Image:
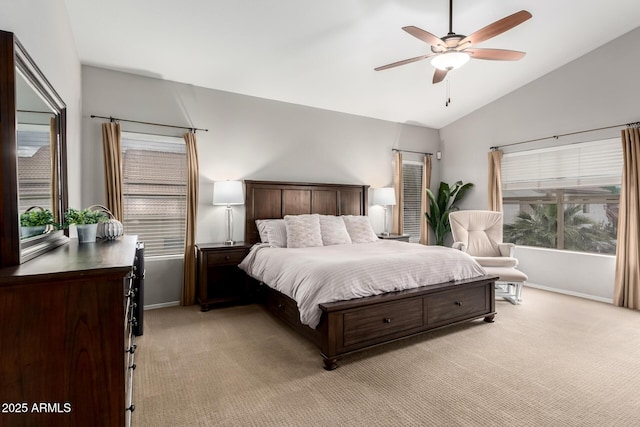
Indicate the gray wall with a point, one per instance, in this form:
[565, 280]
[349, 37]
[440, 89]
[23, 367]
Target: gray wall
[43, 28]
[248, 138]
[599, 89]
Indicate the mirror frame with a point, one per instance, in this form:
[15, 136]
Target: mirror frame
[13, 59]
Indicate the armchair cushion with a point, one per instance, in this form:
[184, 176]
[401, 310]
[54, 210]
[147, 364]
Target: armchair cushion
[501, 261]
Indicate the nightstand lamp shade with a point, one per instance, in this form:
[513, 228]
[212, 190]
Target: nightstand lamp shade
[385, 197]
[228, 193]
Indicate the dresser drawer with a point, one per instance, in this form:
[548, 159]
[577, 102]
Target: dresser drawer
[386, 319]
[228, 257]
[283, 308]
[453, 305]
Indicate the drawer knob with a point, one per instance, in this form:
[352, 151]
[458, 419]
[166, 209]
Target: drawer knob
[459, 303]
[132, 349]
[227, 258]
[386, 320]
[131, 408]
[132, 367]
[281, 307]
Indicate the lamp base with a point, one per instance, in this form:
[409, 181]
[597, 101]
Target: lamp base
[229, 242]
[385, 233]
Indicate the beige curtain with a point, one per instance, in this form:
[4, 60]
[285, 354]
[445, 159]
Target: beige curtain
[626, 291]
[398, 211]
[424, 202]
[112, 149]
[53, 151]
[495, 180]
[189, 287]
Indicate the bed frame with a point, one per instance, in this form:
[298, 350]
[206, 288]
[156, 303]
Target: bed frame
[353, 325]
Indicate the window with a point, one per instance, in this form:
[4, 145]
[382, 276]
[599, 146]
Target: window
[412, 181]
[34, 166]
[563, 197]
[154, 173]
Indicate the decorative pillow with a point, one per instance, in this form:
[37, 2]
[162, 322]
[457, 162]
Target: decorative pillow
[333, 231]
[303, 231]
[359, 229]
[272, 231]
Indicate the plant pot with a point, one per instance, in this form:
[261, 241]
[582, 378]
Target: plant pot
[87, 233]
[32, 231]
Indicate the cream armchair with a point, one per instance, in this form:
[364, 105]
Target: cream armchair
[479, 233]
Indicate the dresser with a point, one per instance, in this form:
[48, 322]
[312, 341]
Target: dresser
[219, 278]
[67, 346]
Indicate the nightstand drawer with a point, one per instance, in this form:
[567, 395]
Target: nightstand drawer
[228, 257]
[386, 319]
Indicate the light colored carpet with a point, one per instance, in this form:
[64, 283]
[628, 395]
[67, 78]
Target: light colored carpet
[555, 360]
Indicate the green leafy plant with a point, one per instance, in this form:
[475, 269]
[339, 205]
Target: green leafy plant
[36, 217]
[85, 216]
[442, 205]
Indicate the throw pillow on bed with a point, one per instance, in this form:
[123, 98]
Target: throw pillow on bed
[272, 231]
[333, 231]
[303, 231]
[359, 229]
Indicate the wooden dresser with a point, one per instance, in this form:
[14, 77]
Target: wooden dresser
[66, 347]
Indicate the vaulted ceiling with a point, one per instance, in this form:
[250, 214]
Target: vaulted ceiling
[323, 53]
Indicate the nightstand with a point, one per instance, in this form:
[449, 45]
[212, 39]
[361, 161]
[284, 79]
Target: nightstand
[400, 237]
[218, 276]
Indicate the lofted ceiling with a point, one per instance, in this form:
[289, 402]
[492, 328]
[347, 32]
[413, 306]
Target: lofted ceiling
[323, 53]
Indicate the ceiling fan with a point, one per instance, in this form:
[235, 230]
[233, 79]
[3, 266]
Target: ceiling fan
[454, 50]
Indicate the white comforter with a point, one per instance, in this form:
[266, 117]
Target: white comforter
[335, 273]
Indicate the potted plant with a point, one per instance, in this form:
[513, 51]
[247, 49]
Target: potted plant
[86, 222]
[442, 205]
[35, 221]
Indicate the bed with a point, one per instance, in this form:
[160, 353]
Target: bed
[346, 326]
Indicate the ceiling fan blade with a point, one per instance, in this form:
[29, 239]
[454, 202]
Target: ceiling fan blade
[406, 61]
[496, 28]
[439, 75]
[425, 36]
[495, 54]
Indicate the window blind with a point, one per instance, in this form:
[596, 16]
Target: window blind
[154, 173]
[412, 180]
[34, 166]
[587, 164]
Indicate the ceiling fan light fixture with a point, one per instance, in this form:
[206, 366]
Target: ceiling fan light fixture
[451, 60]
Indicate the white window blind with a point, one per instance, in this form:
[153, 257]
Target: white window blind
[570, 166]
[412, 180]
[154, 191]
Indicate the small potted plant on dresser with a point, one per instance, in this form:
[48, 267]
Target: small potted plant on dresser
[35, 221]
[86, 222]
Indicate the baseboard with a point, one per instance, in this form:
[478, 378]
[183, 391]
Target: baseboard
[162, 305]
[573, 294]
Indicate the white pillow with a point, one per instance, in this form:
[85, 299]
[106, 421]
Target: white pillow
[333, 230]
[303, 231]
[359, 229]
[272, 231]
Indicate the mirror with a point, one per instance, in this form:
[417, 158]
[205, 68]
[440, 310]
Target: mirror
[33, 154]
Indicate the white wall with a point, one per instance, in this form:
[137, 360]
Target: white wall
[248, 138]
[599, 89]
[43, 28]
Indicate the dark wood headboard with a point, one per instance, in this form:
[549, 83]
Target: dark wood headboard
[275, 199]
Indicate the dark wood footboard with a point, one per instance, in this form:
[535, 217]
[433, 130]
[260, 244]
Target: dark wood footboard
[354, 325]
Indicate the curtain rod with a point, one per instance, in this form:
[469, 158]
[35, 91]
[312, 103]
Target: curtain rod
[115, 119]
[51, 113]
[565, 134]
[414, 152]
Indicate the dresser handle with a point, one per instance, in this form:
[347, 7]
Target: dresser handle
[281, 307]
[131, 408]
[386, 320]
[226, 258]
[459, 303]
[131, 349]
[133, 366]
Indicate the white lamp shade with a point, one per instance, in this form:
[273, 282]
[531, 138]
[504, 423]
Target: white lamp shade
[384, 196]
[450, 60]
[228, 193]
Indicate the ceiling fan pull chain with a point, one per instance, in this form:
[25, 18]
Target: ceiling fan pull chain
[448, 94]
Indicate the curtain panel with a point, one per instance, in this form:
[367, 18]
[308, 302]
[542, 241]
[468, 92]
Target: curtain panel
[626, 291]
[398, 186]
[424, 199]
[495, 180]
[189, 287]
[112, 149]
